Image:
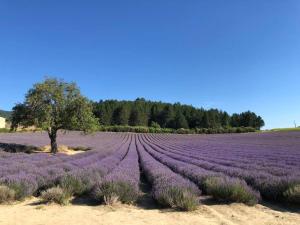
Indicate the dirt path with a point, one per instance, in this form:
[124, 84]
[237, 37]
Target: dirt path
[30, 213]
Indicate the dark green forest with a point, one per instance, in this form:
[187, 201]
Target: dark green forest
[146, 113]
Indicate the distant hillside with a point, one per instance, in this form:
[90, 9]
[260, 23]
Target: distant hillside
[5, 114]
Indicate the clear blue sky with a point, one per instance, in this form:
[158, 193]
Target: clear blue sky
[230, 54]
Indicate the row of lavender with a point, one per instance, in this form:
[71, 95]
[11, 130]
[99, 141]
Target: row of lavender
[178, 167]
[12, 164]
[276, 175]
[29, 174]
[115, 176]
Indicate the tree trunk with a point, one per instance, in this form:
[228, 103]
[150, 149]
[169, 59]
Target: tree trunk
[52, 136]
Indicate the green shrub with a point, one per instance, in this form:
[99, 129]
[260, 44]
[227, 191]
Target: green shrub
[110, 191]
[22, 187]
[155, 125]
[231, 189]
[222, 130]
[178, 198]
[79, 182]
[72, 185]
[292, 195]
[56, 195]
[183, 131]
[6, 194]
[154, 128]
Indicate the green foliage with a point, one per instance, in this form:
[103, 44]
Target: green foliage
[143, 113]
[53, 105]
[19, 190]
[72, 185]
[111, 191]
[21, 115]
[59, 105]
[224, 130]
[166, 117]
[6, 194]
[225, 119]
[22, 189]
[124, 129]
[292, 195]
[232, 190]
[139, 129]
[183, 131]
[247, 119]
[179, 121]
[80, 182]
[178, 198]
[56, 195]
[121, 116]
[154, 125]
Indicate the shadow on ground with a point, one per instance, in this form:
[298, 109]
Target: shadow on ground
[84, 201]
[15, 148]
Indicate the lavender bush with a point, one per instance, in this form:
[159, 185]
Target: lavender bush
[231, 189]
[56, 195]
[79, 182]
[168, 188]
[123, 182]
[292, 194]
[6, 194]
[173, 164]
[272, 177]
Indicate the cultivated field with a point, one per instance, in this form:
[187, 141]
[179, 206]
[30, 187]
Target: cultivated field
[152, 173]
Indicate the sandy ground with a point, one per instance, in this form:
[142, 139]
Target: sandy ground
[61, 149]
[31, 212]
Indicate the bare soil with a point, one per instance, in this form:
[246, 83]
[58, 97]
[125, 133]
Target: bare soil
[61, 149]
[32, 212]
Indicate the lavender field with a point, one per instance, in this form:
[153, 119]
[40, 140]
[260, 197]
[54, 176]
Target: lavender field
[178, 169]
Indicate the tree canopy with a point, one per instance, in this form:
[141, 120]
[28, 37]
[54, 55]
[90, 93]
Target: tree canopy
[146, 113]
[53, 105]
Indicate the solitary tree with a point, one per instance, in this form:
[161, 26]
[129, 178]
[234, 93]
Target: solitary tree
[54, 105]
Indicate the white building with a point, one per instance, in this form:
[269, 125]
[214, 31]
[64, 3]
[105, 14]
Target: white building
[2, 122]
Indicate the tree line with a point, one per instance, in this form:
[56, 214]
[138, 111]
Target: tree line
[146, 113]
[54, 104]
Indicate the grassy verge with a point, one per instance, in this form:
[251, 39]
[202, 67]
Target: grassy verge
[285, 129]
[4, 130]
